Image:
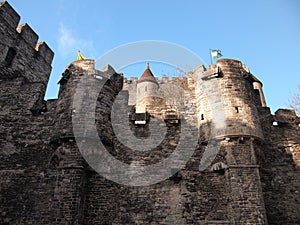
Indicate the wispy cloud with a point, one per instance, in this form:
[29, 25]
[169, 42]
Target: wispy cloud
[69, 44]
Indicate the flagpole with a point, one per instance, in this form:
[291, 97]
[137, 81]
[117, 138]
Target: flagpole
[211, 61]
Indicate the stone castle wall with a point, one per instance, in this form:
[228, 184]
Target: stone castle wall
[25, 65]
[253, 179]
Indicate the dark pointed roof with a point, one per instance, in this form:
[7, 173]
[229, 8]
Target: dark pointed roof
[148, 75]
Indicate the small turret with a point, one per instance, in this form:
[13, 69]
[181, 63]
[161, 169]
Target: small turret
[147, 91]
[257, 85]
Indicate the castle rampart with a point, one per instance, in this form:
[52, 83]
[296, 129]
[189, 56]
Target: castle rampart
[253, 178]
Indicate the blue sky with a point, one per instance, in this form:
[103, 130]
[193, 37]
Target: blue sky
[263, 34]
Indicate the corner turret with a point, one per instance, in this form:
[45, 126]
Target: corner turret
[147, 91]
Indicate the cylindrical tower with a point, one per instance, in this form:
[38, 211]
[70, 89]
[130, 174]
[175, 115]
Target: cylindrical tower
[226, 101]
[228, 116]
[147, 89]
[71, 176]
[79, 98]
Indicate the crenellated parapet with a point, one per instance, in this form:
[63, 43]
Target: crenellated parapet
[25, 64]
[20, 52]
[28, 34]
[286, 116]
[244, 161]
[8, 14]
[162, 80]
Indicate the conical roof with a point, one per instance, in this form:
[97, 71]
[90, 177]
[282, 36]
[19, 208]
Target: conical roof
[148, 75]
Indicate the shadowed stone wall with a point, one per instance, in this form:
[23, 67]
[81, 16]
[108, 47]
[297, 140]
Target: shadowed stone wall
[253, 179]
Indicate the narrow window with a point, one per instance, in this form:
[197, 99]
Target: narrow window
[10, 56]
[202, 116]
[237, 109]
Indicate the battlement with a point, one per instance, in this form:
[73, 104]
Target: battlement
[87, 66]
[23, 62]
[210, 129]
[164, 79]
[8, 14]
[286, 116]
[233, 63]
[28, 34]
[45, 51]
[16, 36]
[215, 70]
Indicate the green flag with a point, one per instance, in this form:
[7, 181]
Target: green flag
[216, 54]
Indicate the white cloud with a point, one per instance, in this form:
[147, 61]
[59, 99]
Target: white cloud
[69, 44]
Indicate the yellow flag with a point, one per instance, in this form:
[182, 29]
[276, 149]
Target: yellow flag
[80, 56]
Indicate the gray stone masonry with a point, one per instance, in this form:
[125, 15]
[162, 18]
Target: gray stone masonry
[253, 178]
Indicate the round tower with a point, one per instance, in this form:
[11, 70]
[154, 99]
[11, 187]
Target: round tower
[79, 100]
[231, 136]
[66, 156]
[226, 102]
[147, 91]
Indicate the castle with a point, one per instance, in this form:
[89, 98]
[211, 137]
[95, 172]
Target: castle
[253, 178]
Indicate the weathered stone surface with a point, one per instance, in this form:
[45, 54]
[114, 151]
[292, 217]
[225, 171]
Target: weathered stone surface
[253, 179]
